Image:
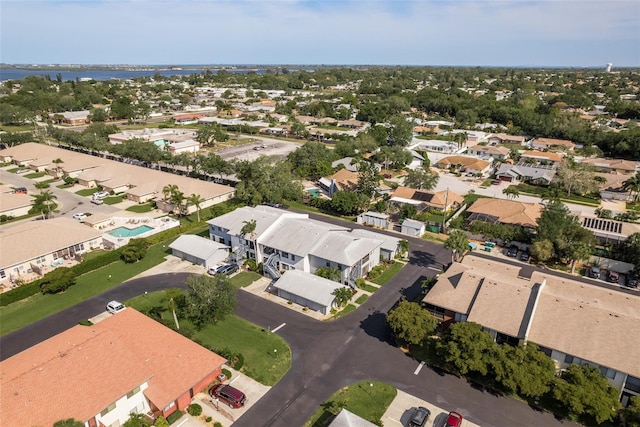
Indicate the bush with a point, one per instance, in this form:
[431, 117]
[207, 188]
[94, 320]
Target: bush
[172, 418]
[19, 293]
[208, 419]
[376, 272]
[85, 322]
[217, 424]
[227, 373]
[57, 280]
[194, 409]
[235, 360]
[251, 265]
[96, 263]
[134, 251]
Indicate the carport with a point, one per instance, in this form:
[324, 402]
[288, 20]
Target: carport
[199, 250]
[307, 290]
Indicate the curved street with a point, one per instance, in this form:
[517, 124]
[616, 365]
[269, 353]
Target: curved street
[325, 355]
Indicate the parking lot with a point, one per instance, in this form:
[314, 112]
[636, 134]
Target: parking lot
[258, 146]
[401, 409]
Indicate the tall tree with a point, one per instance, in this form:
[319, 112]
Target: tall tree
[209, 299]
[44, 202]
[511, 192]
[421, 179]
[248, 227]
[343, 295]
[467, 348]
[368, 179]
[633, 185]
[457, 243]
[410, 323]
[400, 131]
[196, 200]
[576, 177]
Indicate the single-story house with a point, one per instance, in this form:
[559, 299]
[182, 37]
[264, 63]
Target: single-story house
[611, 188]
[489, 151]
[435, 145]
[465, 164]
[343, 180]
[620, 166]
[307, 290]
[199, 250]
[526, 172]
[187, 119]
[503, 138]
[188, 146]
[73, 117]
[506, 212]
[551, 143]
[608, 230]
[33, 248]
[443, 200]
[14, 204]
[570, 321]
[100, 374]
[541, 156]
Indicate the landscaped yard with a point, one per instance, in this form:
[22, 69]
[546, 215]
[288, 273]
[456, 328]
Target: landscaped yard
[391, 271]
[86, 191]
[112, 200]
[368, 400]
[362, 299]
[35, 175]
[255, 344]
[245, 278]
[348, 309]
[144, 208]
[22, 313]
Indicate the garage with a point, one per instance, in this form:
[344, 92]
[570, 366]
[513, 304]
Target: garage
[307, 290]
[199, 250]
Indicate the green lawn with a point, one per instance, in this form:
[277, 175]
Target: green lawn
[348, 309]
[388, 273]
[368, 400]
[35, 175]
[243, 279]
[86, 191]
[13, 170]
[16, 128]
[22, 313]
[362, 299]
[238, 335]
[144, 208]
[112, 200]
[369, 288]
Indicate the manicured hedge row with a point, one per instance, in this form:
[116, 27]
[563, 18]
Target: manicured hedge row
[19, 293]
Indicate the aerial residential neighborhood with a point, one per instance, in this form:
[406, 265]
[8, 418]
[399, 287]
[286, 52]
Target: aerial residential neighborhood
[320, 246]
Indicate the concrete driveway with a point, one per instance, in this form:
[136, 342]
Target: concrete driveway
[400, 411]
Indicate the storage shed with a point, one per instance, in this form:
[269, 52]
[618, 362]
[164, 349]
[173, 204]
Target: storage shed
[199, 250]
[307, 290]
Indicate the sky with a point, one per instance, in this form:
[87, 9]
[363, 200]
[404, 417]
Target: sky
[574, 33]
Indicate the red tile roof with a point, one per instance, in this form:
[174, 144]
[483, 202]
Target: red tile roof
[81, 371]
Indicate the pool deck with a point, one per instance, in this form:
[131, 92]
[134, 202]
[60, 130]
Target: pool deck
[157, 225]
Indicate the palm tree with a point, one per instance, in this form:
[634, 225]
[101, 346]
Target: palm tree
[168, 190]
[172, 307]
[249, 227]
[196, 200]
[511, 192]
[177, 197]
[633, 184]
[45, 202]
[458, 243]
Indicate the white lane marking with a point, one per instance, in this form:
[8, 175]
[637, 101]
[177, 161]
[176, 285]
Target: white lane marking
[434, 268]
[395, 421]
[281, 326]
[187, 419]
[418, 369]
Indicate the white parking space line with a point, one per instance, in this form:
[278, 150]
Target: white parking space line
[183, 422]
[395, 421]
[278, 328]
[418, 369]
[434, 268]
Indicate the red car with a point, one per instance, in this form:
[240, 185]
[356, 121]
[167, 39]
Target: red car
[453, 420]
[229, 395]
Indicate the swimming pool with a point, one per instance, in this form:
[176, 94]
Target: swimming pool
[130, 232]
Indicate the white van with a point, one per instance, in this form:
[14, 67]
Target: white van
[114, 307]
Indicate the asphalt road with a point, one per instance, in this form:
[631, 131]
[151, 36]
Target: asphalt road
[325, 355]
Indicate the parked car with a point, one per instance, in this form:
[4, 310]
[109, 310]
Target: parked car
[524, 256]
[20, 190]
[613, 277]
[419, 417]
[496, 182]
[229, 395]
[631, 282]
[100, 195]
[97, 201]
[513, 251]
[594, 272]
[228, 269]
[215, 269]
[453, 420]
[114, 307]
[80, 216]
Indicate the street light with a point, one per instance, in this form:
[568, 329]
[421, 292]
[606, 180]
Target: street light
[275, 353]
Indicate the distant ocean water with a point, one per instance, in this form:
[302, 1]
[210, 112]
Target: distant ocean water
[104, 74]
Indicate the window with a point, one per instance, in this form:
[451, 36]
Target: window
[609, 373]
[2, 274]
[40, 260]
[108, 409]
[328, 264]
[133, 392]
[169, 406]
[285, 255]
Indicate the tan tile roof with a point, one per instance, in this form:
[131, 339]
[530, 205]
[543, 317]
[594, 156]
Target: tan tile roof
[613, 164]
[81, 371]
[508, 211]
[345, 179]
[593, 323]
[506, 137]
[10, 201]
[576, 318]
[26, 240]
[404, 192]
[551, 141]
[114, 174]
[554, 157]
[467, 162]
